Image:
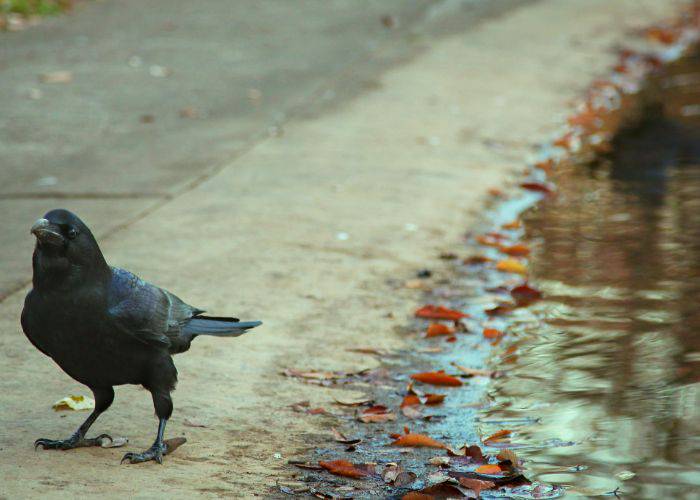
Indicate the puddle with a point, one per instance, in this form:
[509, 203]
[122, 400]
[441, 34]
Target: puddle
[614, 364]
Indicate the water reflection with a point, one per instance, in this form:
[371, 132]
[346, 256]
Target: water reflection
[615, 365]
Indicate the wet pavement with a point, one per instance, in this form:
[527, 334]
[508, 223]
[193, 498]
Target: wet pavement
[614, 366]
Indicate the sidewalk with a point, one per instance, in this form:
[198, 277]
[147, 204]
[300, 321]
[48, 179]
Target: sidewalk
[300, 226]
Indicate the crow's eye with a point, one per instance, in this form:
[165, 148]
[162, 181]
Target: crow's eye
[72, 233]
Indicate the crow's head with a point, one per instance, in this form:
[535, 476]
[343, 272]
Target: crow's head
[65, 248]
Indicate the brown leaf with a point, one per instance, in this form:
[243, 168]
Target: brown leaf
[538, 186]
[437, 378]
[439, 312]
[358, 402]
[376, 414]
[525, 295]
[476, 485]
[476, 260]
[437, 329]
[412, 412]
[343, 468]
[417, 441]
[502, 308]
[473, 371]
[342, 438]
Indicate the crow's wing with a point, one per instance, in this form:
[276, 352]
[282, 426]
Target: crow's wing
[149, 314]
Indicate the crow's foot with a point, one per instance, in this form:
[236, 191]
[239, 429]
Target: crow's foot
[155, 452]
[75, 441]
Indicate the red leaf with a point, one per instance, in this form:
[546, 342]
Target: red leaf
[439, 312]
[436, 378]
[436, 329]
[537, 186]
[525, 295]
[519, 250]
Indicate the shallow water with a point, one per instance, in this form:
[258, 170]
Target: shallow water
[614, 367]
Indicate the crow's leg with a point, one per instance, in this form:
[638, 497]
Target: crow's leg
[103, 399]
[164, 408]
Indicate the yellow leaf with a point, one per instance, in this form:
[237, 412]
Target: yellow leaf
[76, 403]
[511, 266]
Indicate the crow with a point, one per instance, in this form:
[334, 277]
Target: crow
[105, 326]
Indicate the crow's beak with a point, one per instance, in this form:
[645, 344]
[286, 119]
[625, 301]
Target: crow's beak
[45, 233]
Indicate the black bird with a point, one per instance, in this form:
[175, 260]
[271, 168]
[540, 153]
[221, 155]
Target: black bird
[105, 326]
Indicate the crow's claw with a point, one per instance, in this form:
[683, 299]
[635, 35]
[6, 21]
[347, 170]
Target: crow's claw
[75, 441]
[155, 452]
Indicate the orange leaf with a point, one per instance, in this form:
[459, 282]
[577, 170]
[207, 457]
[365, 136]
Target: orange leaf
[343, 468]
[663, 35]
[492, 333]
[489, 469]
[376, 414]
[417, 441]
[512, 225]
[537, 186]
[436, 329]
[439, 312]
[436, 378]
[518, 250]
[511, 266]
[476, 259]
[525, 295]
[498, 436]
[476, 485]
[565, 140]
[488, 241]
[416, 495]
[546, 165]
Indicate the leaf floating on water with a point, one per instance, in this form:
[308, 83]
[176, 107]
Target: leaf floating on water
[497, 437]
[439, 312]
[525, 295]
[476, 485]
[490, 469]
[426, 399]
[516, 224]
[344, 468]
[436, 378]
[76, 403]
[476, 260]
[474, 372]
[437, 329]
[518, 250]
[502, 308]
[511, 266]
[492, 333]
[342, 438]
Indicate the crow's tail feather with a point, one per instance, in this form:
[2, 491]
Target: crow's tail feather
[218, 327]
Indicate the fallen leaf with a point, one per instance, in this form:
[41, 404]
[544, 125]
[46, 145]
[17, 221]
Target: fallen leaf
[497, 437]
[357, 402]
[76, 403]
[546, 165]
[290, 372]
[537, 186]
[490, 469]
[439, 312]
[496, 193]
[417, 441]
[488, 241]
[440, 461]
[473, 371]
[56, 77]
[412, 412]
[305, 465]
[565, 141]
[192, 423]
[437, 329]
[343, 468]
[395, 475]
[525, 295]
[508, 455]
[516, 224]
[436, 378]
[342, 438]
[376, 414]
[511, 266]
[476, 259]
[414, 284]
[369, 350]
[502, 308]
[665, 36]
[476, 485]
[519, 250]
[117, 442]
[492, 333]
[426, 399]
